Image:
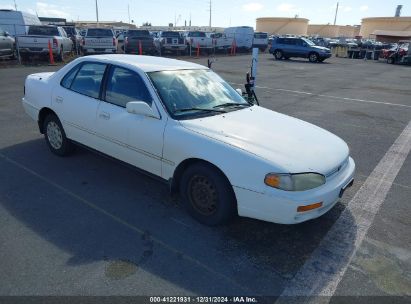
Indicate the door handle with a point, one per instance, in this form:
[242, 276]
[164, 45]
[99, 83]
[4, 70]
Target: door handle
[59, 99]
[104, 115]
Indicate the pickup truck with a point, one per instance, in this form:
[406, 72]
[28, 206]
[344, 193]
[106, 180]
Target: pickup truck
[132, 41]
[99, 41]
[197, 39]
[36, 42]
[221, 41]
[169, 41]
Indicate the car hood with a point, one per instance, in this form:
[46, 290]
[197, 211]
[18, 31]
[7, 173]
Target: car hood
[290, 144]
[321, 48]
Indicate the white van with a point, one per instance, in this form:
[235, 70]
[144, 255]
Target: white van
[243, 36]
[260, 41]
[16, 22]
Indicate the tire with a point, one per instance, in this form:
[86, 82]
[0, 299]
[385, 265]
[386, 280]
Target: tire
[207, 195]
[313, 57]
[390, 60]
[278, 54]
[55, 136]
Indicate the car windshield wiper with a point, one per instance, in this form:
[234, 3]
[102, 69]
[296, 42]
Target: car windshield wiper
[232, 104]
[198, 109]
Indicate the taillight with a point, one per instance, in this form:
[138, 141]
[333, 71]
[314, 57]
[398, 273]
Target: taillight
[83, 41]
[114, 41]
[126, 40]
[55, 44]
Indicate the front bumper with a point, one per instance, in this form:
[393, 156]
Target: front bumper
[280, 207]
[325, 55]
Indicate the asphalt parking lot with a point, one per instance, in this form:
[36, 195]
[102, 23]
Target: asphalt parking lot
[86, 225]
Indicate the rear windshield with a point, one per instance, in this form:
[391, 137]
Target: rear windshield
[170, 34]
[138, 34]
[197, 34]
[43, 31]
[99, 33]
[260, 35]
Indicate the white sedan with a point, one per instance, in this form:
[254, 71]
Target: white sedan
[181, 122]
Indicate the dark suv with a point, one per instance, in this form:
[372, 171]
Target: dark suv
[287, 47]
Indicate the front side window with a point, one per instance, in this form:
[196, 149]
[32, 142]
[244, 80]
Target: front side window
[124, 86]
[189, 93]
[88, 79]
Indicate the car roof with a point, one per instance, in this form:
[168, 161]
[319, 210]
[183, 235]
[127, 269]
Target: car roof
[148, 63]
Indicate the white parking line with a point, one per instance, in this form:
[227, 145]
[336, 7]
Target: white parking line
[323, 271]
[334, 98]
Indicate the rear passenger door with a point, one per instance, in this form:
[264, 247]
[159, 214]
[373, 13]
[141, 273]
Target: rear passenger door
[76, 100]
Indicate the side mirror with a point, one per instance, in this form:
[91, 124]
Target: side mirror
[141, 108]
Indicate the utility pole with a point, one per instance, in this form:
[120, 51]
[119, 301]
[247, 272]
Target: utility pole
[128, 10]
[15, 5]
[97, 11]
[209, 24]
[336, 13]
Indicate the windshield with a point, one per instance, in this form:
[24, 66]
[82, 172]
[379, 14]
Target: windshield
[309, 42]
[199, 90]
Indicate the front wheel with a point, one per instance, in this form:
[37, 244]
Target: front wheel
[55, 136]
[278, 54]
[313, 57]
[60, 56]
[207, 195]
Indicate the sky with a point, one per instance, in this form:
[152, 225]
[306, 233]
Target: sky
[224, 13]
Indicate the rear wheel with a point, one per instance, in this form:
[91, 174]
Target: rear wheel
[55, 136]
[313, 57]
[278, 54]
[207, 195]
[390, 60]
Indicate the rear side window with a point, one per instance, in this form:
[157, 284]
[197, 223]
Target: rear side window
[88, 79]
[124, 86]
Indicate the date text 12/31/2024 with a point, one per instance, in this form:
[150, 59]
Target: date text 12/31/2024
[198, 299]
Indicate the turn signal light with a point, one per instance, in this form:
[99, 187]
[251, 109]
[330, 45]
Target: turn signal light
[309, 207]
[272, 180]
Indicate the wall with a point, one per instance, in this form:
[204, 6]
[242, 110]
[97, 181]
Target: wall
[369, 25]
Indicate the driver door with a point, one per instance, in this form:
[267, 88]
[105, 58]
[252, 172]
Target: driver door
[132, 138]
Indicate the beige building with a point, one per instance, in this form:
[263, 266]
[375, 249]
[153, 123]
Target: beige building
[329, 30]
[370, 25]
[282, 26]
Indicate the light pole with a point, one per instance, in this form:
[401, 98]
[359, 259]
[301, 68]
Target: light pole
[97, 11]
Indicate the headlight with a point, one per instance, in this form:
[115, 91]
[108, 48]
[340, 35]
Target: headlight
[294, 182]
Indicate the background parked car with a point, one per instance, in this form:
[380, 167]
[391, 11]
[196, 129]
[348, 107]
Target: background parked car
[169, 41]
[287, 47]
[75, 36]
[260, 41]
[220, 41]
[37, 40]
[243, 36]
[199, 39]
[133, 39]
[99, 41]
[7, 45]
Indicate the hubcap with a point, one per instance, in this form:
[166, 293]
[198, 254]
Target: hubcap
[54, 135]
[278, 54]
[203, 195]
